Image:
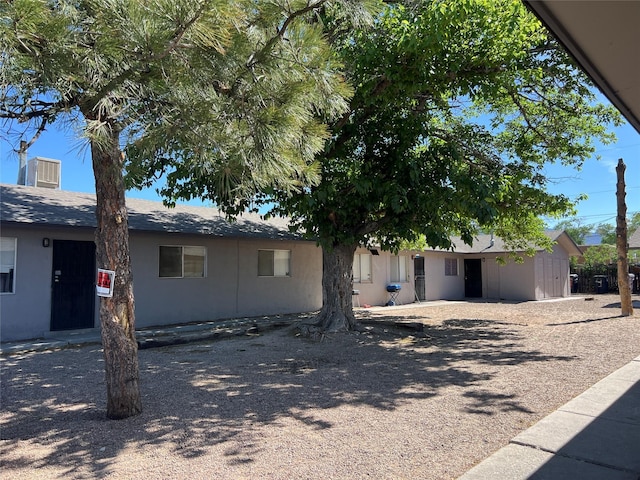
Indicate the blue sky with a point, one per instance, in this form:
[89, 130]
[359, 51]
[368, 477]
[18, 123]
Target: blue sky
[597, 178]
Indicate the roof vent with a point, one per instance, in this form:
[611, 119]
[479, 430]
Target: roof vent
[43, 172]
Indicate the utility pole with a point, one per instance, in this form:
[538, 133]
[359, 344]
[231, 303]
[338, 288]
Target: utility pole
[621, 243]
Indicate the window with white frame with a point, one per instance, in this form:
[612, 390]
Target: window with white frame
[178, 261]
[451, 267]
[399, 268]
[274, 263]
[7, 264]
[362, 268]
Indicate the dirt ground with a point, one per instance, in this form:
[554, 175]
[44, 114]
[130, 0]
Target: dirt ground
[384, 403]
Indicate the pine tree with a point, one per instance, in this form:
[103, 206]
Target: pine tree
[233, 92]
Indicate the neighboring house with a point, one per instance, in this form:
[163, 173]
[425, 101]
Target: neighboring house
[189, 264]
[634, 259]
[634, 247]
[465, 272]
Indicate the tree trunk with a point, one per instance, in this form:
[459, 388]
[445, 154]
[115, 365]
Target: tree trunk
[112, 253]
[337, 287]
[621, 243]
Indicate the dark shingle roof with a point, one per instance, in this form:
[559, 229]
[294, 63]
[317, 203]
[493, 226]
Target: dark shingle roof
[483, 243]
[42, 206]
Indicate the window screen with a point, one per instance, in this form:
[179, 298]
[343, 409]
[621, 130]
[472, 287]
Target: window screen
[399, 271]
[451, 267]
[361, 268]
[274, 263]
[179, 261]
[7, 264]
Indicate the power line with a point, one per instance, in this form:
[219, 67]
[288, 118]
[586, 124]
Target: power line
[617, 147]
[609, 216]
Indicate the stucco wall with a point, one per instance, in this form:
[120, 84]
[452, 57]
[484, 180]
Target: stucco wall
[231, 288]
[439, 286]
[27, 312]
[375, 292]
[517, 280]
[546, 275]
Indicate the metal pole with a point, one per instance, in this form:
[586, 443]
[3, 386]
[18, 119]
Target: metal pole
[22, 166]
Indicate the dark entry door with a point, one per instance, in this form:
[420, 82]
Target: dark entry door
[473, 278]
[419, 275]
[73, 285]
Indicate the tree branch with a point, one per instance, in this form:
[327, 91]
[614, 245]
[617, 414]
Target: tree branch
[36, 135]
[152, 58]
[523, 112]
[256, 57]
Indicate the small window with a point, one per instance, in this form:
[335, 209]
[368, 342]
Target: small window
[274, 263]
[451, 267]
[399, 268]
[182, 262]
[362, 268]
[7, 264]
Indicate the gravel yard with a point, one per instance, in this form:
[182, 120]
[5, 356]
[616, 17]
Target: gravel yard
[383, 403]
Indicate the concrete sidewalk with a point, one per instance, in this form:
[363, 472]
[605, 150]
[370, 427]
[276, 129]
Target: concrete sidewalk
[594, 436]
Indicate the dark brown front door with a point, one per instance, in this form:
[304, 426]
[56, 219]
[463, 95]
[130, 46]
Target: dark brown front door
[73, 285]
[473, 278]
[419, 276]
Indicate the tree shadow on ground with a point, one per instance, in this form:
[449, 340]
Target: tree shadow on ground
[635, 303]
[221, 392]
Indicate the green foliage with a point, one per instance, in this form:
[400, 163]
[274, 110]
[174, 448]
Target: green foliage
[600, 255]
[419, 244]
[221, 97]
[575, 229]
[457, 107]
[607, 233]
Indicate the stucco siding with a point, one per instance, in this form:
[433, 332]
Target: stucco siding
[492, 279]
[300, 292]
[374, 292]
[517, 280]
[27, 312]
[438, 285]
[231, 287]
[162, 301]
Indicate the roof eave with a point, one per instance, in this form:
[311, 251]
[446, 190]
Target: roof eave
[584, 59]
